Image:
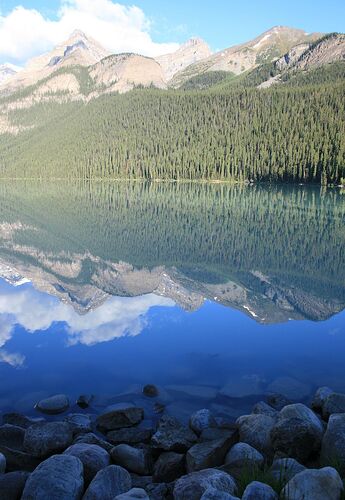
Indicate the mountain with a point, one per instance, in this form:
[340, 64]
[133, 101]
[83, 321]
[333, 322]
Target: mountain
[193, 51]
[270, 45]
[7, 71]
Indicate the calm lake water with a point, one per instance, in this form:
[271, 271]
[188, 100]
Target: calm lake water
[217, 294]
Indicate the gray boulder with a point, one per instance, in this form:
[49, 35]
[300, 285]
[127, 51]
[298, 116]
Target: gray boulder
[12, 436]
[2, 463]
[202, 419]
[138, 460]
[131, 435]
[47, 438]
[333, 442]
[314, 484]
[256, 431]
[91, 438]
[207, 454]
[284, 469]
[79, 423]
[60, 477]
[214, 494]
[53, 405]
[159, 491]
[243, 455]
[194, 485]
[262, 408]
[172, 436]
[297, 432]
[12, 485]
[127, 416]
[108, 483]
[20, 420]
[259, 491]
[320, 397]
[133, 494]
[334, 403]
[168, 467]
[93, 457]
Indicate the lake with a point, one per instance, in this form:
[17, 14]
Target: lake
[218, 294]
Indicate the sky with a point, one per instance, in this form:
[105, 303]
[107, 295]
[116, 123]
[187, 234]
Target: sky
[152, 27]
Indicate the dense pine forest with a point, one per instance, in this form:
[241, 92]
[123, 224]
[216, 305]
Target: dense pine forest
[216, 129]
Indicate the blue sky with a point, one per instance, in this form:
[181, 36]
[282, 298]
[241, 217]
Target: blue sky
[221, 23]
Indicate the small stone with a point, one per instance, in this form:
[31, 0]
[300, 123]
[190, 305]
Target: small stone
[202, 419]
[334, 403]
[53, 405]
[93, 457]
[284, 469]
[262, 408]
[172, 436]
[118, 418]
[333, 442]
[214, 494]
[91, 438]
[133, 494]
[108, 483]
[84, 401]
[256, 431]
[132, 435]
[136, 460]
[314, 484]
[207, 454]
[297, 432]
[12, 485]
[243, 455]
[151, 391]
[12, 436]
[20, 420]
[194, 485]
[320, 397]
[257, 490]
[169, 467]
[60, 477]
[79, 423]
[47, 438]
[2, 463]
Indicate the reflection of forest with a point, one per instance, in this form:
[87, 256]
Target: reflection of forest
[264, 238]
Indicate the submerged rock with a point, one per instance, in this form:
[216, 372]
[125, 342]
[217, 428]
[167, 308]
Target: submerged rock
[169, 466]
[93, 457]
[291, 388]
[277, 401]
[12, 485]
[53, 405]
[79, 423]
[202, 419]
[314, 484]
[128, 416]
[297, 433]
[259, 491]
[256, 431]
[151, 391]
[108, 483]
[47, 438]
[194, 485]
[173, 436]
[333, 442]
[84, 400]
[60, 477]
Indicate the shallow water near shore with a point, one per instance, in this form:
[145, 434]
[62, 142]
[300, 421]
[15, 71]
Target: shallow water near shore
[217, 294]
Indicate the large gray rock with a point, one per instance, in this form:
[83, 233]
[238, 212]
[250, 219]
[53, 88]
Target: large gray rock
[262, 408]
[291, 388]
[131, 435]
[202, 419]
[79, 423]
[256, 431]
[20, 420]
[207, 454]
[314, 484]
[243, 455]
[284, 469]
[214, 494]
[297, 432]
[60, 477]
[172, 436]
[2, 463]
[194, 485]
[12, 485]
[126, 416]
[93, 457]
[133, 494]
[53, 405]
[333, 442]
[12, 436]
[108, 483]
[320, 397]
[259, 491]
[138, 460]
[91, 438]
[47, 438]
[334, 403]
[168, 467]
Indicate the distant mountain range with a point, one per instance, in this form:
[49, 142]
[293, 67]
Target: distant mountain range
[52, 73]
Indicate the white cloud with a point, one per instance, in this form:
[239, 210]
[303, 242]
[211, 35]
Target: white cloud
[25, 33]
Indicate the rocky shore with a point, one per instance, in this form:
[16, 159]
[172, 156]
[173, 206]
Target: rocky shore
[281, 450]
